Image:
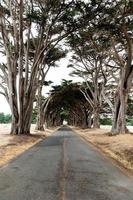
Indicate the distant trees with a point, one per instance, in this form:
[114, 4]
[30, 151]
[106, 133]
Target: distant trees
[5, 118]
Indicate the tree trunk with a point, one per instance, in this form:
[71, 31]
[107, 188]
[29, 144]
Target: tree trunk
[89, 119]
[26, 122]
[126, 77]
[40, 121]
[96, 118]
[14, 127]
[121, 97]
[13, 103]
[21, 121]
[40, 112]
[27, 112]
[85, 119]
[119, 115]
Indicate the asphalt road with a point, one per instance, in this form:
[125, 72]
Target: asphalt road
[64, 167]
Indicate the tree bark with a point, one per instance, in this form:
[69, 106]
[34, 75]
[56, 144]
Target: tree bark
[40, 121]
[96, 118]
[13, 103]
[14, 126]
[119, 115]
[120, 108]
[126, 77]
[89, 119]
[40, 112]
[85, 119]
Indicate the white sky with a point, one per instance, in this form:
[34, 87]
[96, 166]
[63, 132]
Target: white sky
[55, 75]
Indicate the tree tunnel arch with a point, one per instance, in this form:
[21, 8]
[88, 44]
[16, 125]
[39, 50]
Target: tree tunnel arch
[67, 103]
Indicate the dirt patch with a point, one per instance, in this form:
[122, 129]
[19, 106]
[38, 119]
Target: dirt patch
[12, 146]
[118, 147]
